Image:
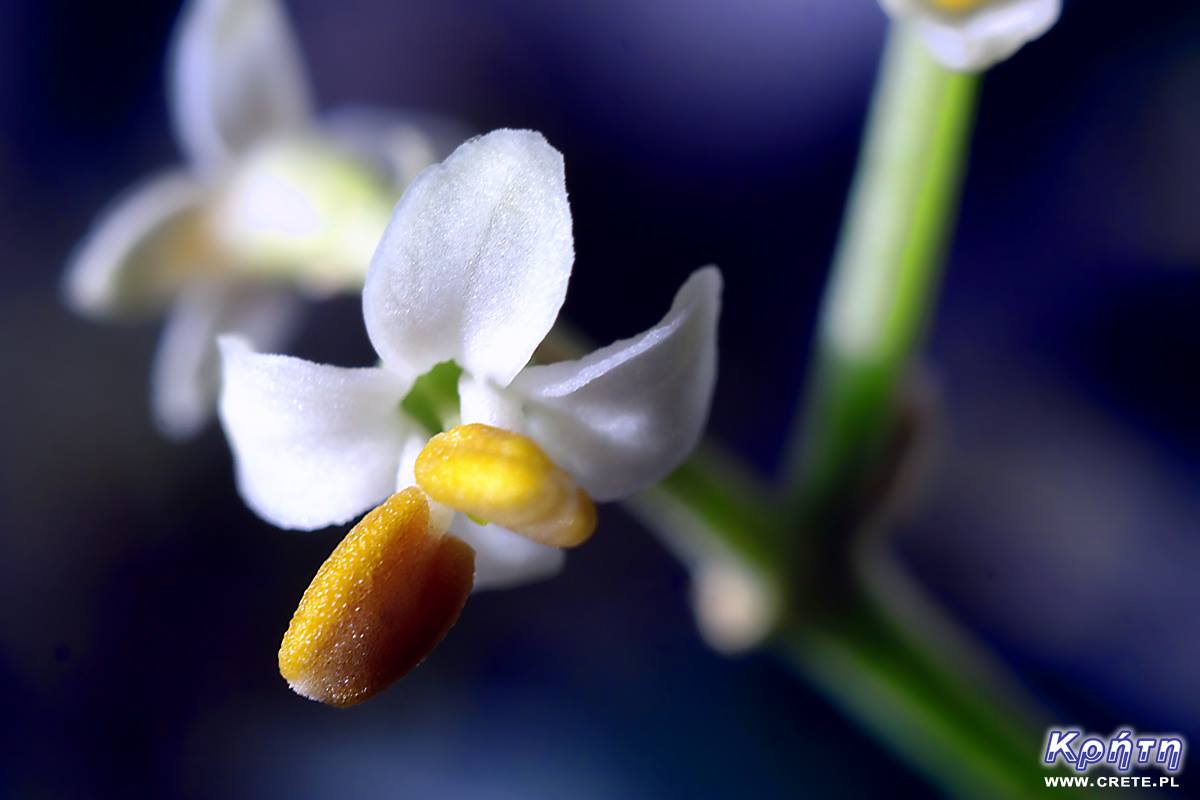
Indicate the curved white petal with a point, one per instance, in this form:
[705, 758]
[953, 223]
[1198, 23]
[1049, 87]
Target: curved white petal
[186, 375]
[621, 418]
[236, 76]
[475, 262]
[401, 143]
[975, 40]
[125, 262]
[504, 559]
[314, 445]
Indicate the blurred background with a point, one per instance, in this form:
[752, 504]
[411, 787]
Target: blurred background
[141, 604]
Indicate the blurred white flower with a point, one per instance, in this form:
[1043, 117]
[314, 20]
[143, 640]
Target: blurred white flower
[473, 268]
[972, 35]
[271, 202]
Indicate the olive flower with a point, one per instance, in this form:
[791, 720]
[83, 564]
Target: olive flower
[472, 269]
[270, 203]
[972, 35]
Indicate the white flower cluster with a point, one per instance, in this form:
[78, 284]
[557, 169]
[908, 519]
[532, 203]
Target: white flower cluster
[473, 268]
[272, 204]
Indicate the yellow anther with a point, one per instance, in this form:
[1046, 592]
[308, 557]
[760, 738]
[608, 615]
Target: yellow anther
[505, 478]
[957, 6]
[378, 605]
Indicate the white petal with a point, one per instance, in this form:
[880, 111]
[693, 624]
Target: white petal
[622, 418]
[504, 559]
[475, 262]
[314, 445]
[400, 143]
[976, 40]
[125, 263]
[187, 376]
[236, 76]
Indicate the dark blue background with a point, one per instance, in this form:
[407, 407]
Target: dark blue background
[141, 604]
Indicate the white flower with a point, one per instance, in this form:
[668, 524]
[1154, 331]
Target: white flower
[473, 268]
[271, 201]
[972, 35]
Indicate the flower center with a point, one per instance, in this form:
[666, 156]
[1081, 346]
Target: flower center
[433, 398]
[303, 210]
[503, 477]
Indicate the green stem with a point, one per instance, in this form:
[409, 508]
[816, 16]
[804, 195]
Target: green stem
[921, 697]
[909, 679]
[919, 701]
[898, 219]
[710, 507]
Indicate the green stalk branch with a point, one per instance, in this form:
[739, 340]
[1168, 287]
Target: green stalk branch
[907, 680]
[917, 701]
[898, 666]
[919, 695]
[898, 218]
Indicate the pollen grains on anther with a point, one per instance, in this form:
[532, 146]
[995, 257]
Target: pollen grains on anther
[378, 605]
[504, 478]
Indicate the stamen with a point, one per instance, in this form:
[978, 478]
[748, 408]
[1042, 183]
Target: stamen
[957, 6]
[378, 605]
[502, 477]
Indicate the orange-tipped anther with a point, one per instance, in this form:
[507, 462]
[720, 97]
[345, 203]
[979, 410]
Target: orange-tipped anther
[503, 477]
[957, 6]
[378, 605]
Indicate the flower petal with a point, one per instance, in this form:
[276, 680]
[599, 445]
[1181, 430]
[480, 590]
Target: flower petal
[621, 418]
[236, 76]
[187, 375]
[314, 445]
[475, 263]
[973, 40]
[504, 559]
[136, 254]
